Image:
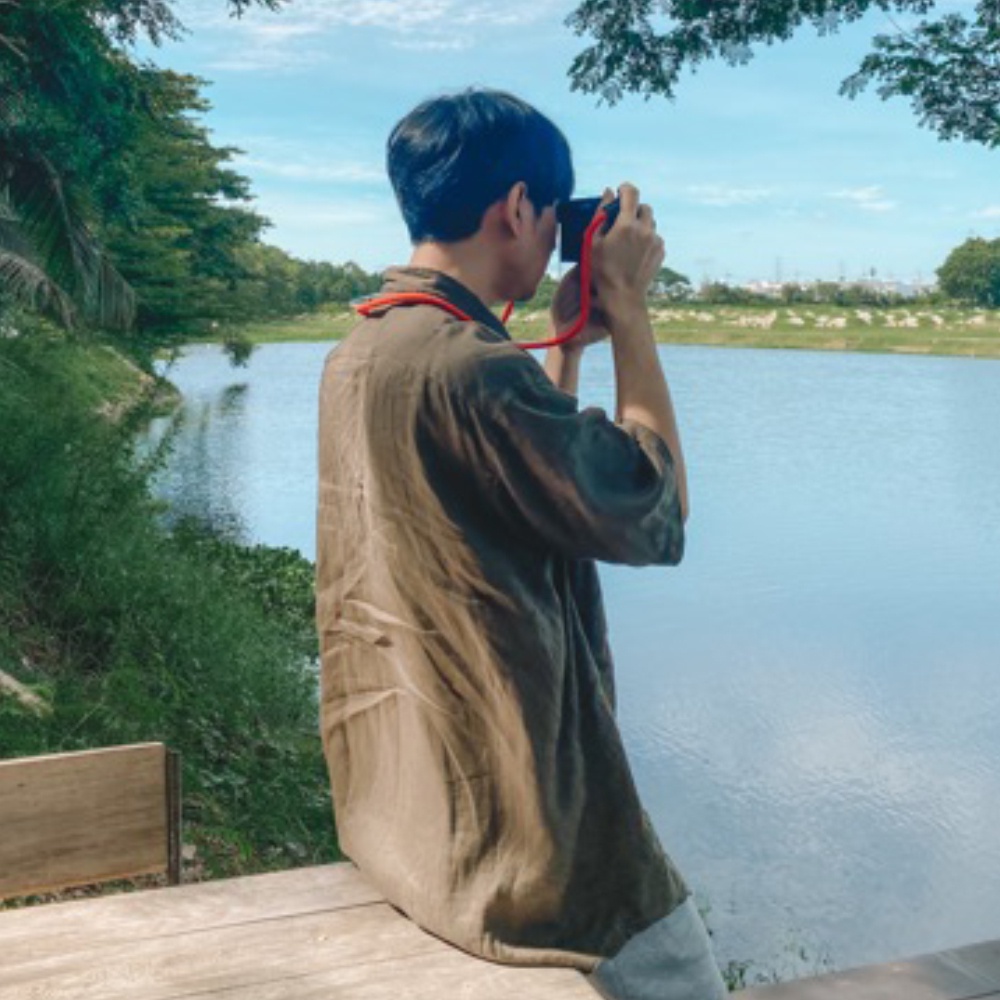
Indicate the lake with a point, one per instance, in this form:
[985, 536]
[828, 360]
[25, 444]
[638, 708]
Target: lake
[811, 700]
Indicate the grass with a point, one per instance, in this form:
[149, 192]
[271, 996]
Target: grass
[318, 326]
[128, 630]
[900, 330]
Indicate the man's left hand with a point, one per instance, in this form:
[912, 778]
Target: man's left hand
[566, 309]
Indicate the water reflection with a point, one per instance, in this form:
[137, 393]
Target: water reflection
[204, 439]
[811, 699]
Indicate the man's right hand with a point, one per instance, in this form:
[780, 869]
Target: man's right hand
[626, 259]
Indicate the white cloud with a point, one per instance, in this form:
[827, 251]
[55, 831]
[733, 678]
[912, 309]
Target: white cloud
[433, 44]
[725, 196]
[263, 60]
[369, 231]
[869, 199]
[990, 212]
[300, 34]
[330, 172]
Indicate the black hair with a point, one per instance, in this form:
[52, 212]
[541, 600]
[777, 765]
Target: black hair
[453, 156]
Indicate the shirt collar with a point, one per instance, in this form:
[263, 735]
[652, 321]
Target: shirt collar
[425, 279]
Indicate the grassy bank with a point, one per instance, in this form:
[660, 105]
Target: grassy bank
[120, 628]
[900, 330]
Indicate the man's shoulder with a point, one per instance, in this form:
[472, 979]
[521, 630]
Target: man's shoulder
[425, 343]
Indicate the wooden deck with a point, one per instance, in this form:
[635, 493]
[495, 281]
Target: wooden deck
[323, 934]
[971, 973]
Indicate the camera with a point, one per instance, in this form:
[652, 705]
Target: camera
[574, 216]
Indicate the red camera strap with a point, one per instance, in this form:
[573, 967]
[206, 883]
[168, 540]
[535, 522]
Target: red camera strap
[380, 303]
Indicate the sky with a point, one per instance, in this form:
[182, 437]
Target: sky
[759, 172]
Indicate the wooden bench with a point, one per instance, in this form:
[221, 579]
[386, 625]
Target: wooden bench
[78, 818]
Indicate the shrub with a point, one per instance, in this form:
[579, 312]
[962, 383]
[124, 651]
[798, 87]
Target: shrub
[134, 632]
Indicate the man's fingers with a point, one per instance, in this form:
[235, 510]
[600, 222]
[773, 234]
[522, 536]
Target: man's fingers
[645, 214]
[629, 197]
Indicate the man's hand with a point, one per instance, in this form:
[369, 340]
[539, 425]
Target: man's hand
[566, 309]
[627, 258]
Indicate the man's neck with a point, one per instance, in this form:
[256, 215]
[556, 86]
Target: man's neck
[463, 261]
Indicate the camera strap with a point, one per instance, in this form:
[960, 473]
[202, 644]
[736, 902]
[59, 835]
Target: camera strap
[378, 304]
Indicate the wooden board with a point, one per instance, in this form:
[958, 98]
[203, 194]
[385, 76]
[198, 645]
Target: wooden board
[325, 934]
[72, 819]
[41, 932]
[959, 974]
[365, 951]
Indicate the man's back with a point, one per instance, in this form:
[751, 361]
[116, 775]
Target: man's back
[478, 773]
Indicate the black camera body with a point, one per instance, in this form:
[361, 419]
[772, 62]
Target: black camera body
[574, 216]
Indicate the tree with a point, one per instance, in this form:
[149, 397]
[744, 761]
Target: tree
[971, 273]
[178, 234]
[49, 256]
[70, 101]
[947, 66]
[671, 284]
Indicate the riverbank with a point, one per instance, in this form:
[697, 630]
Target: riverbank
[900, 330]
[120, 624]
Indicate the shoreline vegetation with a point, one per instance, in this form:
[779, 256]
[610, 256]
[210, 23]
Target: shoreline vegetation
[121, 622]
[915, 329]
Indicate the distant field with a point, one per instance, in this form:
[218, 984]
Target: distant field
[967, 332]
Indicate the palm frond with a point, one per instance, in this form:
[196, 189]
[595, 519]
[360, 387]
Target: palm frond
[50, 218]
[28, 284]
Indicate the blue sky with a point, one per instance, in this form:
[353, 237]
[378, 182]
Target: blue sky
[755, 172]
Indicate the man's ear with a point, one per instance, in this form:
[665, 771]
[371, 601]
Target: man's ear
[514, 207]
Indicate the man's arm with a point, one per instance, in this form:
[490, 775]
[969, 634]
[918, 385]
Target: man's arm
[641, 387]
[562, 365]
[567, 479]
[625, 262]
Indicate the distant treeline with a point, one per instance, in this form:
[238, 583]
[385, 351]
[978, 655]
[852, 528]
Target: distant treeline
[813, 293]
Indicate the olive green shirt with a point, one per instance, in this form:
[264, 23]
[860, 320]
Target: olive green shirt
[478, 774]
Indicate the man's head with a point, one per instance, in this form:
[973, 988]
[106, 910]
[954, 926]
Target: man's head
[455, 158]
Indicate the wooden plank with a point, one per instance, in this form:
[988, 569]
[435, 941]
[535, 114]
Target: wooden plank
[927, 977]
[231, 958]
[71, 819]
[438, 976]
[368, 952]
[40, 932]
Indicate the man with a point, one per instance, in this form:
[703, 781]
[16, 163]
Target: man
[479, 778]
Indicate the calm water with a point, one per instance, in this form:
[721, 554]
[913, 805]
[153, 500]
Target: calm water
[812, 700]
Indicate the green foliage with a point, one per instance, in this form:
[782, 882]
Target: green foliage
[104, 172]
[672, 285]
[545, 293]
[972, 273]
[836, 293]
[49, 256]
[832, 293]
[179, 230]
[718, 293]
[114, 205]
[135, 633]
[278, 284]
[946, 67]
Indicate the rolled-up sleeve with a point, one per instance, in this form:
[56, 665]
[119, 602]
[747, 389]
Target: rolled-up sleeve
[575, 480]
